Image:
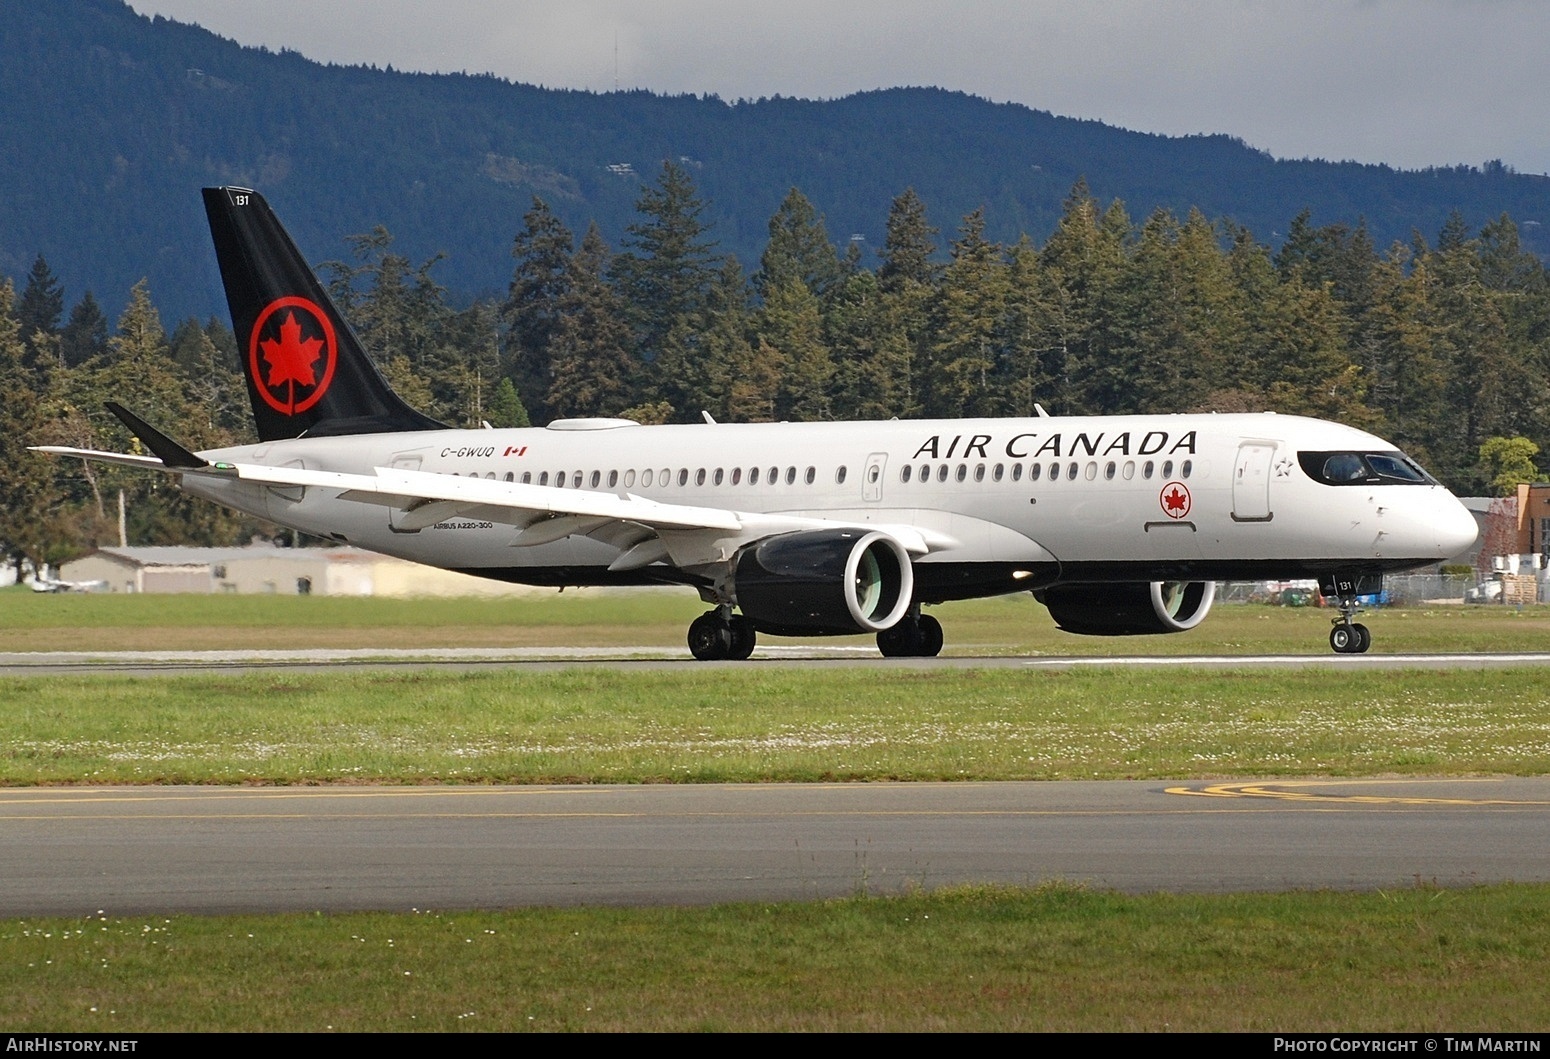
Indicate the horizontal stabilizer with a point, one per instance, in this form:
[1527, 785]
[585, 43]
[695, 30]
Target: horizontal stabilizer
[173, 456]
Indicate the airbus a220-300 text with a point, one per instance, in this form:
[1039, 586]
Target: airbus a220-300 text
[1120, 525]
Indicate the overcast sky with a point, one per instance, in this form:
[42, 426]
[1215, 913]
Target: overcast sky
[1408, 82]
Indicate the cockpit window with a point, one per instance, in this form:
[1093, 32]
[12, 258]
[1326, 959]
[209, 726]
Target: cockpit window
[1363, 468]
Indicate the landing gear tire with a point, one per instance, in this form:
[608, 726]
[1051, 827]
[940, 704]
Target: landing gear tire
[930, 637]
[1353, 639]
[710, 638]
[743, 638]
[900, 641]
[912, 638]
[1363, 638]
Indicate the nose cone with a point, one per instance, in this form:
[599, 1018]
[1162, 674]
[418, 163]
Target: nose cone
[1456, 528]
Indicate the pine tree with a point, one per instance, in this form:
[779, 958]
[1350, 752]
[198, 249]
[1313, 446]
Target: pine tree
[968, 325]
[539, 283]
[800, 249]
[593, 368]
[506, 406]
[38, 314]
[790, 324]
[734, 383]
[871, 357]
[1083, 259]
[27, 493]
[664, 277]
[85, 335]
[907, 278]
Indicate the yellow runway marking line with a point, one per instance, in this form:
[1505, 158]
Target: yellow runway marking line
[1279, 792]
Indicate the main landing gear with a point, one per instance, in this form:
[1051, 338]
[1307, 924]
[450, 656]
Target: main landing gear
[719, 635]
[1349, 637]
[916, 636]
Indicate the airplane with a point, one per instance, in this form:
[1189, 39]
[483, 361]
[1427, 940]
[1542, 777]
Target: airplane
[1119, 525]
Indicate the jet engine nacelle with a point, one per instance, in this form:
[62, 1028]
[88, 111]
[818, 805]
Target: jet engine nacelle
[1129, 609]
[824, 582]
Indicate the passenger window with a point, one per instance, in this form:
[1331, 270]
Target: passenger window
[1186, 468]
[645, 478]
[1054, 472]
[1167, 469]
[1108, 471]
[1129, 470]
[904, 473]
[737, 475]
[979, 472]
[753, 476]
[941, 473]
[791, 476]
[1071, 470]
[543, 478]
[699, 476]
[613, 479]
[576, 480]
[597, 479]
[774, 478]
[812, 475]
[629, 479]
[716, 478]
[1017, 472]
[527, 477]
[508, 477]
[1146, 469]
[683, 477]
[839, 475]
[963, 471]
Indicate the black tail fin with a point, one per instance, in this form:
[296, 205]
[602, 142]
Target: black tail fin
[306, 370]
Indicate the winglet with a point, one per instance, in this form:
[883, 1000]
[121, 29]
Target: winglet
[168, 451]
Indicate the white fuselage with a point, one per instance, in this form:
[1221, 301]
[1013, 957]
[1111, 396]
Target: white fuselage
[1025, 502]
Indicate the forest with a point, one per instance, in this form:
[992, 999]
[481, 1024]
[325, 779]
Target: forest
[1440, 344]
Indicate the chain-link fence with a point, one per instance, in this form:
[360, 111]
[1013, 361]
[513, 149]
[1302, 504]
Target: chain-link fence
[1400, 590]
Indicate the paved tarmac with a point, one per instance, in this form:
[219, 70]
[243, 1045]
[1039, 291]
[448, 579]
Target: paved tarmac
[162, 663]
[77, 851]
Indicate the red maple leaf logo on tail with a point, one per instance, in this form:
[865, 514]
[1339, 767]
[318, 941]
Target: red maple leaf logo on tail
[292, 357]
[289, 339]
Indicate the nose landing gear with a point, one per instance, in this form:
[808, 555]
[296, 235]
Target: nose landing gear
[1349, 637]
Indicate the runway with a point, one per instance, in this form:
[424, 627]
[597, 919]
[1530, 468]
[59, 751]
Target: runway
[540, 659]
[165, 850]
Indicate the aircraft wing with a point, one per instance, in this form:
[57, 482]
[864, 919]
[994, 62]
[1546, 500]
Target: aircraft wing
[645, 530]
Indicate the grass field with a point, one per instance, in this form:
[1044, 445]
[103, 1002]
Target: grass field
[777, 723]
[1046, 958]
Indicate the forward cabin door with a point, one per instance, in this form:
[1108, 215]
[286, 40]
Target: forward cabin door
[1251, 482]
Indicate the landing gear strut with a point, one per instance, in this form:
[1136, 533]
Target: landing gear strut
[916, 635]
[719, 635]
[1349, 637]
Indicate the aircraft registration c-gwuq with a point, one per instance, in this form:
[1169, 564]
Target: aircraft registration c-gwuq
[1120, 525]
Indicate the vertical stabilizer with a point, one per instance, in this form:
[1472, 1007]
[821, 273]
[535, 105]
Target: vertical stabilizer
[306, 370]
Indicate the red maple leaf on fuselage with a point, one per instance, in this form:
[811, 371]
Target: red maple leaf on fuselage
[292, 357]
[1175, 499]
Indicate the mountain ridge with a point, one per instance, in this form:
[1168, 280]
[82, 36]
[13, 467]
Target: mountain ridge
[116, 120]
